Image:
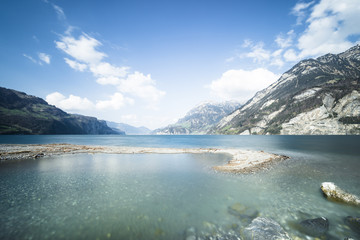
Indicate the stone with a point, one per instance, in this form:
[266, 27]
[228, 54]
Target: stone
[316, 227]
[353, 223]
[245, 214]
[190, 234]
[216, 232]
[265, 229]
[334, 193]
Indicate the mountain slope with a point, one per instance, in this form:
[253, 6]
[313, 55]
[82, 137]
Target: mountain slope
[128, 129]
[316, 96]
[200, 119]
[24, 114]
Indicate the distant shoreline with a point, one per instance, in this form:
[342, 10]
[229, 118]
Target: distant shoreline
[243, 161]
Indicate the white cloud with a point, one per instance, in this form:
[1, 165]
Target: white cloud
[44, 57]
[59, 12]
[241, 84]
[291, 56]
[108, 80]
[258, 53]
[247, 43]
[82, 49]
[104, 69]
[69, 103]
[116, 102]
[330, 25]
[141, 86]
[285, 41]
[30, 58]
[299, 11]
[76, 65]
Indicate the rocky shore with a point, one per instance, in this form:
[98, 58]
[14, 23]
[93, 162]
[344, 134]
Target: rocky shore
[243, 161]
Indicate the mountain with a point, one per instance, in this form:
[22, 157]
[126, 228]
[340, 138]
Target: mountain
[316, 96]
[24, 114]
[200, 119]
[128, 129]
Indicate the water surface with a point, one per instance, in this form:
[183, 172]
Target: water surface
[159, 196]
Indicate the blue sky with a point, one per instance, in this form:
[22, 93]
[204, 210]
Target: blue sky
[148, 62]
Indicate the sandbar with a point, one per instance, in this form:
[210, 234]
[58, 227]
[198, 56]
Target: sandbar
[242, 161]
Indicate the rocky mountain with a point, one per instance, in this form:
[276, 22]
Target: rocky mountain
[128, 129]
[24, 114]
[316, 96]
[200, 119]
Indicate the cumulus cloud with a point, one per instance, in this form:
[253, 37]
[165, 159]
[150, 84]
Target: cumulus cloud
[76, 65]
[75, 103]
[141, 85]
[241, 84]
[105, 69]
[69, 103]
[83, 49]
[116, 102]
[330, 25]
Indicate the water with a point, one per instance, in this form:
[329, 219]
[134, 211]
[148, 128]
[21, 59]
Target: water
[159, 196]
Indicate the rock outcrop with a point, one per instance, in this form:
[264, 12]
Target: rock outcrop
[334, 193]
[316, 96]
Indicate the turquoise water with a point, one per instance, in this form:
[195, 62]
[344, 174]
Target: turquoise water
[159, 196]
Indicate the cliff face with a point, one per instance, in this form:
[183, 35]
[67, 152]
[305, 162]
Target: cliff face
[316, 96]
[200, 119]
[24, 114]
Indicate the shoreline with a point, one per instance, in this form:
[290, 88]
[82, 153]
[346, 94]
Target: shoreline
[243, 161]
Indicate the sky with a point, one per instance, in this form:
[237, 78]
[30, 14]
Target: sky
[147, 63]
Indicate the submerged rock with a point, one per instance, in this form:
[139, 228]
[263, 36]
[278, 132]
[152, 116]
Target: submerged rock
[265, 229]
[245, 214]
[316, 227]
[212, 232]
[334, 193]
[353, 223]
[190, 234]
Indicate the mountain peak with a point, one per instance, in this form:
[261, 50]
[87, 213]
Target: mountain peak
[201, 118]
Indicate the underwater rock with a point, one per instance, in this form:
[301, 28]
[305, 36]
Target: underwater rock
[334, 193]
[216, 232]
[245, 214]
[353, 223]
[190, 234]
[265, 229]
[314, 227]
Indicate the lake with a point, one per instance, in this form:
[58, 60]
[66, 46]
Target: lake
[160, 196]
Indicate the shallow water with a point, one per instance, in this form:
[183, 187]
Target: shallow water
[159, 196]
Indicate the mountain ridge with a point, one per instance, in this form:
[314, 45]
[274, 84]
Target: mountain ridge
[199, 119]
[21, 113]
[326, 81]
